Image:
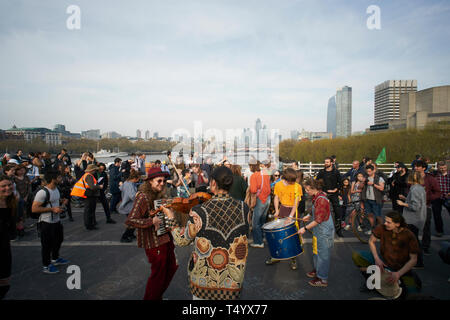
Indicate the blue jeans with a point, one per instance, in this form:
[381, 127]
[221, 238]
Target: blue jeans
[371, 206]
[322, 259]
[259, 218]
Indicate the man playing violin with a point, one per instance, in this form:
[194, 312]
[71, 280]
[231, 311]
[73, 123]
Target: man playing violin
[219, 230]
[159, 249]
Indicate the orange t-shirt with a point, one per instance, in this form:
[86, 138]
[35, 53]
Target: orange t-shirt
[256, 182]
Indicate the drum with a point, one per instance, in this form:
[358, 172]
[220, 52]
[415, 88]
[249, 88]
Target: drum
[281, 247]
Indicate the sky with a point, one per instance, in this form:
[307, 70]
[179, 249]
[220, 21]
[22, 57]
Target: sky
[161, 65]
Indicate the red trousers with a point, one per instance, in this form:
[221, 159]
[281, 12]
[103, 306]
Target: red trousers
[164, 266]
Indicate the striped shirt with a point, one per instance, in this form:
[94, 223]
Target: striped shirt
[140, 219]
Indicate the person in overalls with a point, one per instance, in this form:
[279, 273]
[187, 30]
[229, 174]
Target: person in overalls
[322, 228]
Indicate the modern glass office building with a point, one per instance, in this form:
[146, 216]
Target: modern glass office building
[331, 116]
[344, 112]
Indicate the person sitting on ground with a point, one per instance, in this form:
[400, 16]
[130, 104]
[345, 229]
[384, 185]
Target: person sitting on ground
[398, 253]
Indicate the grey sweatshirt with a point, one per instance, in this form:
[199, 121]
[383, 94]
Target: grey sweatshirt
[128, 190]
[416, 212]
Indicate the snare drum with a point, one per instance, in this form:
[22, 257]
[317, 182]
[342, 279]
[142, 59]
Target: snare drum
[276, 233]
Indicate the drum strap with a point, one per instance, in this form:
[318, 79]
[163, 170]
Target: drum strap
[297, 224]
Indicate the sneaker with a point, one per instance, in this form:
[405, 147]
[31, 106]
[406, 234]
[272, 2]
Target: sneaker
[359, 229]
[427, 252]
[316, 282]
[254, 245]
[369, 232]
[271, 261]
[294, 264]
[312, 274]
[60, 262]
[50, 269]
[439, 234]
[110, 221]
[347, 227]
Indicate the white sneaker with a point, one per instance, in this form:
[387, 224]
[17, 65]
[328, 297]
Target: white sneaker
[368, 232]
[347, 227]
[359, 229]
[254, 245]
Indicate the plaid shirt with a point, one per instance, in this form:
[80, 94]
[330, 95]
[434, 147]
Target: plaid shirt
[139, 219]
[444, 184]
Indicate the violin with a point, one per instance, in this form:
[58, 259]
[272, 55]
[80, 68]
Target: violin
[184, 205]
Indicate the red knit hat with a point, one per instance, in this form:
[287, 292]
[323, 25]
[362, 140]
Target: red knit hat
[156, 172]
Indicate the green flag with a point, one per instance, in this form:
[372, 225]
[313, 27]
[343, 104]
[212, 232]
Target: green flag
[381, 157]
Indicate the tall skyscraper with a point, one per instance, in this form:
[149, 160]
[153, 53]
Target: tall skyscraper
[147, 135]
[138, 134]
[387, 99]
[344, 112]
[331, 116]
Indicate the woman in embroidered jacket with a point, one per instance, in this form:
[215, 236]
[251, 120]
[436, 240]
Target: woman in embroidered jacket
[219, 230]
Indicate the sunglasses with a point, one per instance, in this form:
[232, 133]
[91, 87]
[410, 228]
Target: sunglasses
[160, 181]
[276, 175]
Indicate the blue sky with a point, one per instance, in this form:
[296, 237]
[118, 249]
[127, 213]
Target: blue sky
[160, 65]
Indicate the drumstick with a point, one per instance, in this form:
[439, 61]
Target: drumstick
[181, 178]
[289, 236]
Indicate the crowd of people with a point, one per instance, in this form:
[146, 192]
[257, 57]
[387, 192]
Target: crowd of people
[239, 204]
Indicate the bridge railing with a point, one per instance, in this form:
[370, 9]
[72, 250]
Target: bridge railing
[312, 168]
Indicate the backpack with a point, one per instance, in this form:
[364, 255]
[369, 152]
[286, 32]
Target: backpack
[29, 203]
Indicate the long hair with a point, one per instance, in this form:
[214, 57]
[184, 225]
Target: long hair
[146, 188]
[415, 178]
[11, 200]
[236, 169]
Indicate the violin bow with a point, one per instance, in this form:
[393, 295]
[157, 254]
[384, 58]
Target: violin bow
[179, 177]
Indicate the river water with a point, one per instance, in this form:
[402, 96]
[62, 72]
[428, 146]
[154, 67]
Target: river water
[241, 158]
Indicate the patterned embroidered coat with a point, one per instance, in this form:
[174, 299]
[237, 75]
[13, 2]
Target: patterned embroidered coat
[219, 230]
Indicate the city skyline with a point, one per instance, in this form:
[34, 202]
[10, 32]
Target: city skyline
[164, 65]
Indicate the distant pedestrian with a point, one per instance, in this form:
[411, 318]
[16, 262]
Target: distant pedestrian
[239, 187]
[88, 189]
[102, 178]
[372, 195]
[332, 183]
[115, 177]
[398, 185]
[128, 194]
[433, 192]
[415, 209]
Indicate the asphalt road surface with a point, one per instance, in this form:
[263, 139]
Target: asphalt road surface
[114, 270]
